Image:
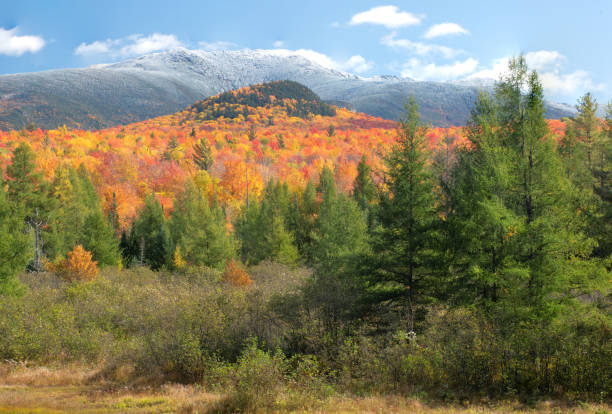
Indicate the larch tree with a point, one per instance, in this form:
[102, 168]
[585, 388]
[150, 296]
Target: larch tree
[199, 230]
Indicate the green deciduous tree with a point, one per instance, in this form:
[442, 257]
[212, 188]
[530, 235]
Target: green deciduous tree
[263, 228]
[340, 229]
[199, 230]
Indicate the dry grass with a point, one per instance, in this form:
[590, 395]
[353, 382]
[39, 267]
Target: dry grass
[41, 390]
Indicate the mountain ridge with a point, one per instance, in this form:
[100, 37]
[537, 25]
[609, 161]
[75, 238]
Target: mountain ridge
[161, 83]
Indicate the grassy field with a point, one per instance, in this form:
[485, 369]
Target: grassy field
[25, 390]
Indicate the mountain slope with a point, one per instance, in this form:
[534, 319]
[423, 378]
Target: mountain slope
[161, 83]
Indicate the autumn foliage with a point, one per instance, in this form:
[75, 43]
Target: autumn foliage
[235, 275]
[253, 145]
[77, 266]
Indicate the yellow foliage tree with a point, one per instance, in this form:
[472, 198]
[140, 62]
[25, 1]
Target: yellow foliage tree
[179, 262]
[77, 266]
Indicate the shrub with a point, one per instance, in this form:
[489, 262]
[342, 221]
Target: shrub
[258, 379]
[77, 266]
[235, 275]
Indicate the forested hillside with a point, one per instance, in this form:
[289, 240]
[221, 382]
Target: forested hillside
[266, 244]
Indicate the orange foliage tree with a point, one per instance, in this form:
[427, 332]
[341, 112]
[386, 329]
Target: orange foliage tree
[77, 266]
[235, 275]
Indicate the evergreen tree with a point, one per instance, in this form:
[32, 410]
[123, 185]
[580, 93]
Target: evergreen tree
[202, 155]
[340, 228]
[586, 126]
[479, 225]
[199, 230]
[551, 229]
[172, 146]
[302, 213]
[364, 191]
[98, 237]
[15, 246]
[516, 235]
[113, 215]
[75, 199]
[603, 189]
[28, 192]
[25, 186]
[326, 180]
[404, 243]
[150, 238]
[262, 229]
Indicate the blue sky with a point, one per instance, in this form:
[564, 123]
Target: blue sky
[568, 42]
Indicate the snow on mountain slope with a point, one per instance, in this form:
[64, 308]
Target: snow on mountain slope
[161, 83]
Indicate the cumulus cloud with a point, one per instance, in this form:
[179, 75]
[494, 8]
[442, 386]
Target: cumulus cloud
[356, 63]
[388, 16]
[544, 59]
[278, 44]
[445, 29]
[133, 45]
[419, 48]
[497, 68]
[549, 64]
[13, 44]
[416, 69]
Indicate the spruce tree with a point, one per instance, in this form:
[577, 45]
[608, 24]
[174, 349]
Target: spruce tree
[404, 244]
[150, 238]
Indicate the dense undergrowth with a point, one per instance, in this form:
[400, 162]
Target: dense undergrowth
[267, 345]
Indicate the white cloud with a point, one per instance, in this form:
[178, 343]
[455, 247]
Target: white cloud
[99, 47]
[358, 64]
[498, 67]
[544, 59]
[578, 81]
[388, 16]
[445, 29]
[419, 48]
[319, 58]
[218, 45]
[415, 69]
[278, 44]
[142, 45]
[13, 44]
[549, 65]
[133, 45]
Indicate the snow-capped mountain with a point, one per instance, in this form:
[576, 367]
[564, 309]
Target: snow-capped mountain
[161, 83]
